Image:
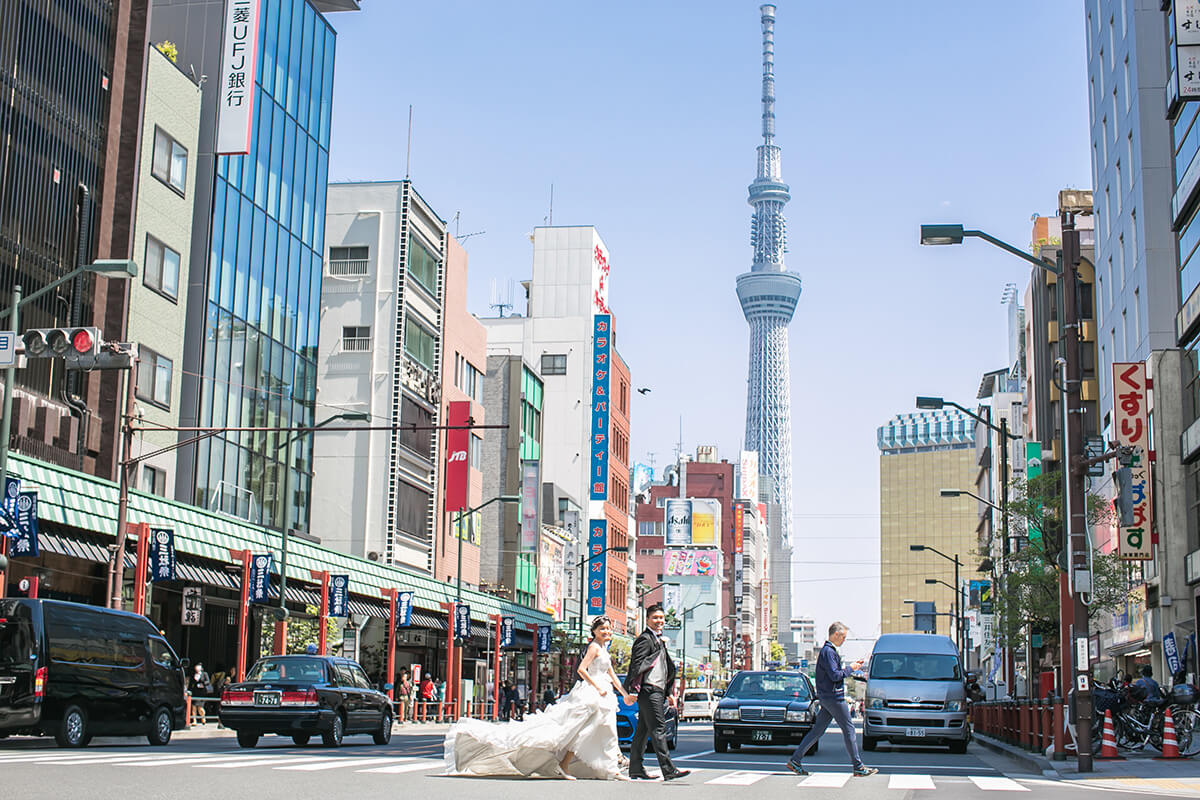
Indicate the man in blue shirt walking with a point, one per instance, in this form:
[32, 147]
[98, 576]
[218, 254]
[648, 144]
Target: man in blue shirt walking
[831, 694]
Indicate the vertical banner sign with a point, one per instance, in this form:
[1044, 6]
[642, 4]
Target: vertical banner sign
[193, 605]
[597, 569]
[749, 470]
[678, 523]
[543, 639]
[162, 554]
[1033, 468]
[239, 55]
[12, 490]
[739, 522]
[339, 595]
[672, 595]
[508, 626]
[26, 543]
[1187, 49]
[531, 490]
[404, 607]
[260, 578]
[1131, 425]
[1171, 653]
[598, 435]
[462, 622]
[458, 443]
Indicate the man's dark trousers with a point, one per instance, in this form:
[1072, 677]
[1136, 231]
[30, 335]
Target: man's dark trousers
[652, 724]
[831, 709]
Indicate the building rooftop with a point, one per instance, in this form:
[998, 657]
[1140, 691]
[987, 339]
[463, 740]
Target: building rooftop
[944, 429]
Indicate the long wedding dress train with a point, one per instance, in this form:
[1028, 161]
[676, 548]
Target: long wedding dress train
[582, 722]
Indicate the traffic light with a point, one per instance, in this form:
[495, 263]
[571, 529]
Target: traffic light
[77, 347]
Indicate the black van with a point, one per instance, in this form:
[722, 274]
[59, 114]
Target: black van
[73, 671]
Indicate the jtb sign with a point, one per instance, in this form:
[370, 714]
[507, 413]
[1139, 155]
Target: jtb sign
[598, 435]
[596, 568]
[1131, 424]
[458, 443]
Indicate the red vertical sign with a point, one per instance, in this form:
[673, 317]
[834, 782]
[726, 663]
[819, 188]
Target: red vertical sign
[458, 442]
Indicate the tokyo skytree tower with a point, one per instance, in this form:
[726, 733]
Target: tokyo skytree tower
[768, 294]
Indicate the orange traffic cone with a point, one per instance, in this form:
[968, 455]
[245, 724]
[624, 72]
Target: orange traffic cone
[1108, 740]
[1170, 747]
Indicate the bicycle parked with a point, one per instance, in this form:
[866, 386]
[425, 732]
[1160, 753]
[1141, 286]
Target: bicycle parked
[1139, 720]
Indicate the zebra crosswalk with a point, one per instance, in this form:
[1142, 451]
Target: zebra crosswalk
[904, 782]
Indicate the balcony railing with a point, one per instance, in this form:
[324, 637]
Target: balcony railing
[354, 267]
[357, 344]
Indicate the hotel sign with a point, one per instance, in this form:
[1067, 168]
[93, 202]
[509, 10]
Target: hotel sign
[239, 55]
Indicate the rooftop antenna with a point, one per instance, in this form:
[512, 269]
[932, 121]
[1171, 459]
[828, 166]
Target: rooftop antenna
[504, 303]
[458, 235]
[551, 205]
[679, 444]
[408, 150]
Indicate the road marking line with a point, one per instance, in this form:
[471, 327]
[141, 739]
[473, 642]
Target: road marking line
[911, 782]
[694, 755]
[172, 761]
[41, 755]
[993, 784]
[336, 763]
[114, 759]
[825, 780]
[717, 763]
[429, 764]
[260, 762]
[739, 778]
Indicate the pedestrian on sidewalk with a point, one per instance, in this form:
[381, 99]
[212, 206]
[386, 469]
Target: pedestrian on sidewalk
[1147, 685]
[200, 687]
[831, 695]
[403, 694]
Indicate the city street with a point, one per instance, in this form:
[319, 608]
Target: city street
[411, 766]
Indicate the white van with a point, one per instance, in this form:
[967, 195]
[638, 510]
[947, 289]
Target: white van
[697, 704]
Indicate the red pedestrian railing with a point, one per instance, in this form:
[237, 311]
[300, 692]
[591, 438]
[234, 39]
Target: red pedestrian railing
[1032, 725]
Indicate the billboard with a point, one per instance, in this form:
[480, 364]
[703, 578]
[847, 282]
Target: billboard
[706, 522]
[598, 438]
[702, 563]
[458, 441]
[239, 55]
[551, 568]
[597, 568]
[739, 522]
[749, 470]
[672, 601]
[642, 477]
[1131, 426]
[531, 483]
[678, 527]
[600, 273]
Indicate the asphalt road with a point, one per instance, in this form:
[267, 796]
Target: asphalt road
[410, 765]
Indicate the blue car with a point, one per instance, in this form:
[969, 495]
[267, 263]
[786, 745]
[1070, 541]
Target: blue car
[627, 717]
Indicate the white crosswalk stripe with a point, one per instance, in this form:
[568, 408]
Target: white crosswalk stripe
[259, 762]
[911, 782]
[424, 764]
[739, 778]
[825, 780]
[336, 762]
[993, 784]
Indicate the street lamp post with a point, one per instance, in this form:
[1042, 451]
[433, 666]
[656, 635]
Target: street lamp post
[1073, 611]
[710, 627]
[583, 581]
[958, 612]
[957, 563]
[683, 637]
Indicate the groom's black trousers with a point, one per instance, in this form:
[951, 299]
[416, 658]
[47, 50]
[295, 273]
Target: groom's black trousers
[652, 724]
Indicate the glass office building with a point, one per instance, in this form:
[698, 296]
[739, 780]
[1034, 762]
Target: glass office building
[252, 314]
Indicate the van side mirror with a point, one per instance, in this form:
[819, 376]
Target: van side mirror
[972, 676]
[185, 662]
[718, 693]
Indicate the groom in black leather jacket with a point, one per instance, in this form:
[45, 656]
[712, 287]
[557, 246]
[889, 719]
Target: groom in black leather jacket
[651, 675]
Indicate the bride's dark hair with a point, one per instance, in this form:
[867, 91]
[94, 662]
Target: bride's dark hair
[596, 623]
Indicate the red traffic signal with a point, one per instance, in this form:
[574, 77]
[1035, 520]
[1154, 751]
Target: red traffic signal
[78, 347]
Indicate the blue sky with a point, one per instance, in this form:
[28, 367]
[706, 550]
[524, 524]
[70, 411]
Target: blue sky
[645, 116]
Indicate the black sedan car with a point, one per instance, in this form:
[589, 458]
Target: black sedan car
[768, 709]
[299, 696]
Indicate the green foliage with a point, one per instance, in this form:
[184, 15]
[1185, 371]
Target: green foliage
[777, 652]
[301, 632]
[169, 50]
[619, 652]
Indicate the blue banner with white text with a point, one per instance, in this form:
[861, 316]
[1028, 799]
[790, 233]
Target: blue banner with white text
[162, 554]
[543, 639]
[598, 436]
[339, 595]
[462, 622]
[260, 578]
[404, 608]
[26, 542]
[597, 569]
[508, 627]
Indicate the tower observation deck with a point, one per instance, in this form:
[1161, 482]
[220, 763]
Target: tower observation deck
[768, 294]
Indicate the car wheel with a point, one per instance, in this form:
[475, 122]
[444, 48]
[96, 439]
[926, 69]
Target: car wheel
[959, 747]
[870, 743]
[301, 739]
[160, 730]
[247, 738]
[720, 745]
[73, 732]
[384, 734]
[333, 736]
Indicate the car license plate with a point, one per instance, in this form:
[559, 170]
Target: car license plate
[266, 698]
[914, 733]
[760, 736]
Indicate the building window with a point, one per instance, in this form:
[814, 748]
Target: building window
[154, 377]
[412, 510]
[418, 343]
[162, 268]
[468, 379]
[169, 163]
[356, 339]
[351, 261]
[554, 364]
[422, 266]
[475, 453]
[154, 480]
[420, 441]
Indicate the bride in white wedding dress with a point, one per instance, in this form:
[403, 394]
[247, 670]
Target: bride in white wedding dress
[573, 738]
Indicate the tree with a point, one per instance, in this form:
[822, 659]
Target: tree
[619, 652]
[777, 652]
[169, 50]
[301, 632]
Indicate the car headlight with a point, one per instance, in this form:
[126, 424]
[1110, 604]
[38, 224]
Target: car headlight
[954, 705]
[728, 713]
[798, 716]
[875, 703]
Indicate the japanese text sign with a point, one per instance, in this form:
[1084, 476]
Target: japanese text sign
[543, 639]
[598, 433]
[739, 523]
[26, 543]
[162, 554]
[239, 54]
[1131, 426]
[339, 595]
[260, 578]
[596, 568]
[462, 622]
[508, 626]
[404, 608]
[193, 606]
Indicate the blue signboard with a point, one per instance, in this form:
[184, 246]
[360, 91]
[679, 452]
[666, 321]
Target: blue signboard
[339, 595]
[507, 629]
[597, 569]
[26, 542]
[601, 355]
[404, 607]
[462, 622]
[8, 505]
[162, 554]
[260, 578]
[543, 640]
[1170, 652]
